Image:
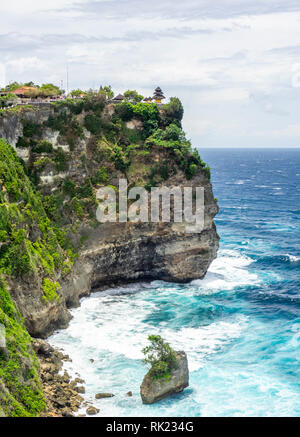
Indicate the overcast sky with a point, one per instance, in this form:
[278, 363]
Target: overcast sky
[235, 64]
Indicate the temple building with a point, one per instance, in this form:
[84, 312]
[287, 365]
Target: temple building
[148, 100]
[118, 99]
[158, 95]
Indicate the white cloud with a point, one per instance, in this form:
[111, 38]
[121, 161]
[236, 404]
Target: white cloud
[21, 65]
[230, 61]
[291, 131]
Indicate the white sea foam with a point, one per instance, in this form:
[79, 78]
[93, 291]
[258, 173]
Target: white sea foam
[292, 258]
[227, 272]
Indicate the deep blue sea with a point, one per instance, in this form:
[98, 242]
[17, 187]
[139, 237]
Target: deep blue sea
[240, 326]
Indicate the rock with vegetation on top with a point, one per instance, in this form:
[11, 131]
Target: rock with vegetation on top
[169, 373]
[153, 390]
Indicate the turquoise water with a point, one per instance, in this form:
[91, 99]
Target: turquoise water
[239, 326]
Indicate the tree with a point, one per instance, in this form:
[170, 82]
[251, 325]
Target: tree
[49, 90]
[160, 356]
[133, 96]
[13, 86]
[76, 93]
[172, 112]
[107, 91]
[31, 84]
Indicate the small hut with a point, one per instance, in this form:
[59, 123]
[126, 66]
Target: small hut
[158, 95]
[147, 99]
[118, 99]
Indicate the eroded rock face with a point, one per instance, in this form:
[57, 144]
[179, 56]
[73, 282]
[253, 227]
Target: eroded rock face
[153, 390]
[118, 253]
[113, 253]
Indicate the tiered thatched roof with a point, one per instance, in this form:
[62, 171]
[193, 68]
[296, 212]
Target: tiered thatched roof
[158, 94]
[118, 98]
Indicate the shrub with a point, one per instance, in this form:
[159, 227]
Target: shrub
[93, 124]
[86, 190]
[23, 142]
[31, 129]
[190, 171]
[124, 111]
[50, 290]
[61, 160]
[160, 356]
[77, 207]
[69, 187]
[94, 101]
[101, 176]
[43, 146]
[119, 158]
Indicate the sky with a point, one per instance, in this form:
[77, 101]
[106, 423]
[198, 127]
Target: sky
[235, 64]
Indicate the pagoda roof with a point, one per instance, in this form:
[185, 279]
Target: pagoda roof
[158, 94]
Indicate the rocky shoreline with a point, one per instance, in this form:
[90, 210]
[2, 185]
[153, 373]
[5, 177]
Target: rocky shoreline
[62, 393]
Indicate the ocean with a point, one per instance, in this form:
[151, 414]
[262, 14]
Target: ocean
[240, 326]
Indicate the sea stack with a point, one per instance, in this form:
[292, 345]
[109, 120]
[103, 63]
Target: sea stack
[153, 390]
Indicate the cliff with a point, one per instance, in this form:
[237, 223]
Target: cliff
[53, 250]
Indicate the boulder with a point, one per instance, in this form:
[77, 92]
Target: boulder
[153, 390]
[91, 411]
[80, 389]
[41, 347]
[103, 395]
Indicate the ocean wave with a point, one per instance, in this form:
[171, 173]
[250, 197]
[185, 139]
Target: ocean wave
[228, 271]
[293, 258]
[277, 260]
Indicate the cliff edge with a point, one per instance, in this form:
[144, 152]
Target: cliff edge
[53, 250]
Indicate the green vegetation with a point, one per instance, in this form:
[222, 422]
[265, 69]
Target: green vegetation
[43, 146]
[133, 96]
[45, 90]
[20, 389]
[61, 160]
[101, 176]
[50, 290]
[38, 232]
[160, 356]
[67, 125]
[93, 123]
[7, 99]
[32, 244]
[107, 92]
[77, 93]
[17, 110]
[172, 112]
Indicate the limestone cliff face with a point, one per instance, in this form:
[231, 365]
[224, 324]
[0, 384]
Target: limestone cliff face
[109, 253]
